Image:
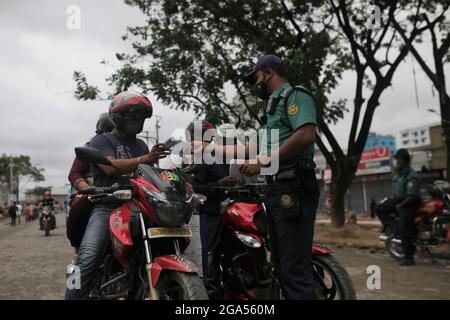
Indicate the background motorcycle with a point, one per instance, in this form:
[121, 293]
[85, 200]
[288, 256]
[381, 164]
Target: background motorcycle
[242, 268]
[148, 237]
[432, 222]
[48, 221]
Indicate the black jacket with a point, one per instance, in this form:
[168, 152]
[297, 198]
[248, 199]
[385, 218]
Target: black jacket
[205, 179]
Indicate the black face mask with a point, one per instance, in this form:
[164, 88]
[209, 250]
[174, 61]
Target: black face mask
[261, 91]
[132, 126]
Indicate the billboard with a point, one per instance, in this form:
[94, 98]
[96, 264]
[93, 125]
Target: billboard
[374, 161]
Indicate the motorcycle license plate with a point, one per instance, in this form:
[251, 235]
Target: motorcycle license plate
[169, 232]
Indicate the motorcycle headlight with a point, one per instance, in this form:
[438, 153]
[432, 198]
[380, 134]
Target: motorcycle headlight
[248, 240]
[168, 213]
[152, 195]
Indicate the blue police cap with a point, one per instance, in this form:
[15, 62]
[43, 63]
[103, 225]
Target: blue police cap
[264, 61]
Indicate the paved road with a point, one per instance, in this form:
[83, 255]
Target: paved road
[33, 267]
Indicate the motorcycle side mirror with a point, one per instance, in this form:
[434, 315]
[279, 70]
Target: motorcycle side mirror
[197, 201]
[91, 155]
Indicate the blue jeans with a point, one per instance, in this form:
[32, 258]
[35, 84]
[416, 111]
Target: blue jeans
[92, 250]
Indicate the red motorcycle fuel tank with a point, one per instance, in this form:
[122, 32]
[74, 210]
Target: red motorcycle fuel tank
[240, 215]
[431, 206]
[119, 227]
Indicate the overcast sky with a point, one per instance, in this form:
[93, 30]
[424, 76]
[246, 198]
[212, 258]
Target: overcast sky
[39, 116]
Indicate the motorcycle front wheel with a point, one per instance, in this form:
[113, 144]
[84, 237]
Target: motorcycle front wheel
[332, 281]
[47, 228]
[175, 285]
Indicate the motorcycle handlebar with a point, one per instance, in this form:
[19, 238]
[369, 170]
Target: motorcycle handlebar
[103, 190]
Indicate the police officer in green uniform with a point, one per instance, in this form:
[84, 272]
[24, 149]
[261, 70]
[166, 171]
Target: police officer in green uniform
[292, 193]
[405, 200]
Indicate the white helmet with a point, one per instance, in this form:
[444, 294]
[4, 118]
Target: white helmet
[227, 131]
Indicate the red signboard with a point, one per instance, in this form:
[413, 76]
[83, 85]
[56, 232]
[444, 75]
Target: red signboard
[376, 154]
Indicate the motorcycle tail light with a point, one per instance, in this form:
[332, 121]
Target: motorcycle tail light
[248, 240]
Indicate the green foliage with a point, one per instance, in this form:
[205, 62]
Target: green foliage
[83, 90]
[21, 166]
[193, 54]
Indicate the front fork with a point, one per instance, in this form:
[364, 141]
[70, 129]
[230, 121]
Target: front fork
[152, 292]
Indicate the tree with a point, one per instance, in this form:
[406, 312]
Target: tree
[193, 54]
[435, 21]
[21, 166]
[376, 55]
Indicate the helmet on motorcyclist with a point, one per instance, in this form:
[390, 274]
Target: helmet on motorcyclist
[198, 127]
[104, 124]
[128, 111]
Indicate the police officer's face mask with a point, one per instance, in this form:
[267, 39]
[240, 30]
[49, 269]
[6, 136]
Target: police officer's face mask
[261, 90]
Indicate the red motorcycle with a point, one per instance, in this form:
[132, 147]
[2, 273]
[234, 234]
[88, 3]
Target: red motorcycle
[148, 237]
[241, 267]
[432, 222]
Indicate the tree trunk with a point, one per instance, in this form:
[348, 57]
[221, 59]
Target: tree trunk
[338, 206]
[341, 178]
[445, 120]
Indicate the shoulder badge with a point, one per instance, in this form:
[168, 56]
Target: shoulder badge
[292, 109]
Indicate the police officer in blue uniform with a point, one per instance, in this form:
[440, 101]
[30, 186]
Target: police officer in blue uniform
[292, 194]
[405, 200]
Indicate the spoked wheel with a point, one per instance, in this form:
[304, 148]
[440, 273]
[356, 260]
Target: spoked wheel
[331, 279]
[175, 285]
[394, 247]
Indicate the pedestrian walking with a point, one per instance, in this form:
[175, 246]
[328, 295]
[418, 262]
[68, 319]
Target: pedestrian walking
[13, 214]
[19, 212]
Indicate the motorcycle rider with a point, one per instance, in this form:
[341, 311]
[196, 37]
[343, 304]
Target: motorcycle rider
[405, 199]
[128, 112]
[80, 178]
[49, 202]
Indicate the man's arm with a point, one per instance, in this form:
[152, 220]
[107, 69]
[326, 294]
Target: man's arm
[122, 166]
[297, 143]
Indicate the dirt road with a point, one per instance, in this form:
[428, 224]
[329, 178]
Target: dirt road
[33, 267]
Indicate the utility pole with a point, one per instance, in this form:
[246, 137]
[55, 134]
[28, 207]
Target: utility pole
[146, 134]
[11, 175]
[157, 127]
